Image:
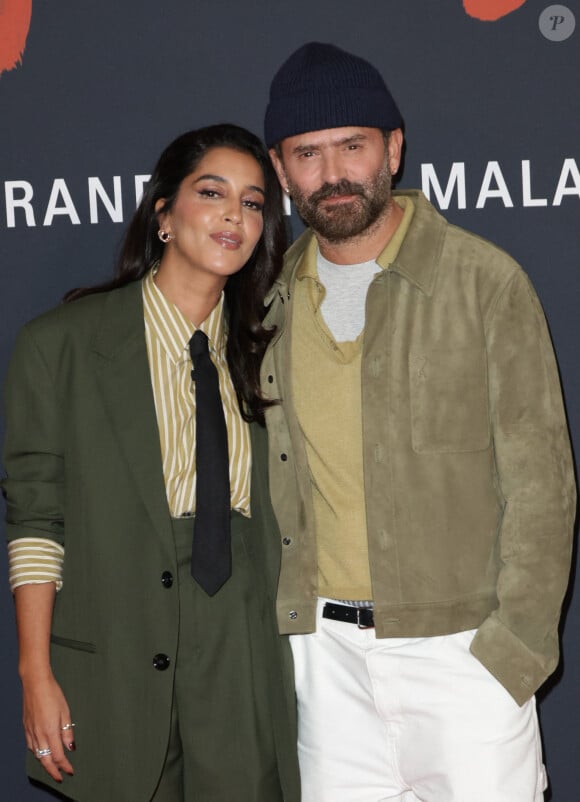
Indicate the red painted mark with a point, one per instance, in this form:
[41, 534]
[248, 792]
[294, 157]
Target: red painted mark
[491, 10]
[14, 25]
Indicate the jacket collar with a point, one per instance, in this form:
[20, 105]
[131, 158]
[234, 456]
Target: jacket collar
[420, 252]
[121, 327]
[122, 372]
[291, 259]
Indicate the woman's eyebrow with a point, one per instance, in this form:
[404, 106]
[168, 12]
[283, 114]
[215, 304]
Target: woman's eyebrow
[212, 177]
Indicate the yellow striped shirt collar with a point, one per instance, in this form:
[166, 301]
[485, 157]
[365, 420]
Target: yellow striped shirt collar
[173, 329]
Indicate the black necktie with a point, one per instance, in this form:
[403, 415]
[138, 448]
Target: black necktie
[211, 558]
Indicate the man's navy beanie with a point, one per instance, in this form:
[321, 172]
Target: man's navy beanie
[321, 86]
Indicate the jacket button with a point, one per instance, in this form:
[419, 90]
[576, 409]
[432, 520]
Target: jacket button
[283, 457]
[167, 579]
[270, 379]
[292, 615]
[286, 541]
[161, 662]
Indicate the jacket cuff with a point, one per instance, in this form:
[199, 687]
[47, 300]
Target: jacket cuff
[510, 661]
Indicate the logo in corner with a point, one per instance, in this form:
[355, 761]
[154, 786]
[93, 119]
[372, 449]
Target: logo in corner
[491, 10]
[14, 26]
[557, 23]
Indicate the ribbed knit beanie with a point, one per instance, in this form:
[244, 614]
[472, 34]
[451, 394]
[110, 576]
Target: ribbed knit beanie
[321, 86]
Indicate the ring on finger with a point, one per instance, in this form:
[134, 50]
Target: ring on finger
[68, 726]
[40, 753]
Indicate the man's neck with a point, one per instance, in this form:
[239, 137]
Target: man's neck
[365, 246]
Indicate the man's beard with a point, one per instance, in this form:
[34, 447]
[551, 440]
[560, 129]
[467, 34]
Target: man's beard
[336, 223]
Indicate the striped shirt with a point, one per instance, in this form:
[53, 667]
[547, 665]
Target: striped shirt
[167, 334]
[33, 561]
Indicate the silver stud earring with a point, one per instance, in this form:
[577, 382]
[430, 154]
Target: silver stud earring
[164, 236]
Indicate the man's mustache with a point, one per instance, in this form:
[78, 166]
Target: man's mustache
[343, 187]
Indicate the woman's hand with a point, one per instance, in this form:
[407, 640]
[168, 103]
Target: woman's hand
[45, 714]
[47, 717]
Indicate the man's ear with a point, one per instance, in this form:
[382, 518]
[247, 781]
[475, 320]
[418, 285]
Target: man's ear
[279, 167]
[395, 149]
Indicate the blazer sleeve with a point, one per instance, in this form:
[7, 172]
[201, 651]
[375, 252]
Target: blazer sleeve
[33, 448]
[518, 643]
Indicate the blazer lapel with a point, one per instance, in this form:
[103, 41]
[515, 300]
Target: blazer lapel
[122, 370]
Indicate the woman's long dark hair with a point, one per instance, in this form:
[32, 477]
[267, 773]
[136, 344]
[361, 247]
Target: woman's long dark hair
[245, 290]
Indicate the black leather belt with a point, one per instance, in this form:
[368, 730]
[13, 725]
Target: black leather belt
[361, 616]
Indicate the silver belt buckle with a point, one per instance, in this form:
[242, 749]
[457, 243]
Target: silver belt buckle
[360, 610]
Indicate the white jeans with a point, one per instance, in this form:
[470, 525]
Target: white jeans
[408, 719]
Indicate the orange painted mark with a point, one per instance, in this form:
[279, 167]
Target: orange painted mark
[491, 10]
[14, 26]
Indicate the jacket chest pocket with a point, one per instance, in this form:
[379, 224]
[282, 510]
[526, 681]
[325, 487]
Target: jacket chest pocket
[449, 400]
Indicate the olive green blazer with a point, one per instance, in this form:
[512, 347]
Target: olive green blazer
[82, 447]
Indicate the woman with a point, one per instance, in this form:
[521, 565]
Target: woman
[173, 686]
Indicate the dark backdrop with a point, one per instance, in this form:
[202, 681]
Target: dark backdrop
[493, 135]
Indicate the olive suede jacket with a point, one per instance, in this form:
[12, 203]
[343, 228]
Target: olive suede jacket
[470, 494]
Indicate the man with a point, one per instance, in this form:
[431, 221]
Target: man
[420, 467]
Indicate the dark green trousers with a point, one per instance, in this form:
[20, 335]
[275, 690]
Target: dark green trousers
[221, 746]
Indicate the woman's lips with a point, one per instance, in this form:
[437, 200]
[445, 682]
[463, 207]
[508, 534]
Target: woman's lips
[227, 239]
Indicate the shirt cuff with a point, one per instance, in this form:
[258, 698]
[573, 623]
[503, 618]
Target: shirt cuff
[34, 560]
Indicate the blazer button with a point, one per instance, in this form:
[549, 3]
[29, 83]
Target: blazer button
[167, 579]
[161, 662]
[270, 379]
[283, 457]
[286, 541]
